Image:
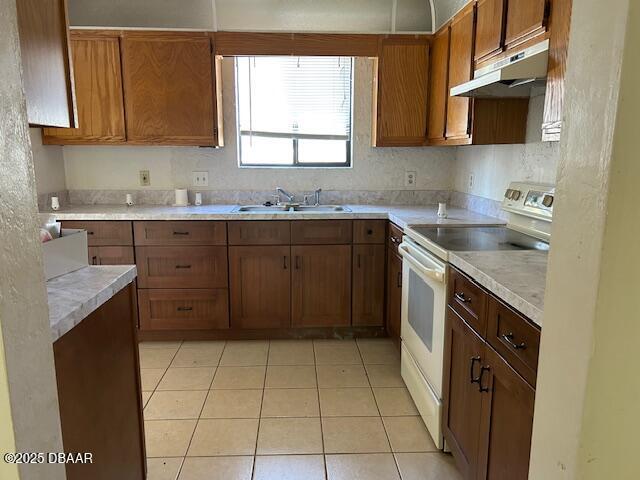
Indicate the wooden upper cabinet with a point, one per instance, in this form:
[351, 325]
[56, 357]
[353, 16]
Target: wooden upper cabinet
[525, 19]
[401, 92]
[47, 70]
[439, 86]
[169, 88]
[489, 28]
[460, 71]
[506, 422]
[98, 82]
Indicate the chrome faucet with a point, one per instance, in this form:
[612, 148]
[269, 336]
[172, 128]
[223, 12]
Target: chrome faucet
[317, 196]
[287, 195]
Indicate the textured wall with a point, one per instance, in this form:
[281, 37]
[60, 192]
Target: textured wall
[445, 10]
[494, 166]
[48, 162]
[24, 319]
[170, 167]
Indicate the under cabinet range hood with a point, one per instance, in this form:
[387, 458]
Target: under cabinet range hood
[509, 77]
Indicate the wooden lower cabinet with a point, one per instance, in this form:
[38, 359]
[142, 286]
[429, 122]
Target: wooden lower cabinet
[114, 255]
[506, 422]
[464, 357]
[321, 286]
[394, 295]
[260, 284]
[368, 285]
[183, 309]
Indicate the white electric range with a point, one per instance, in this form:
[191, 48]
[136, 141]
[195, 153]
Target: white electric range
[425, 252]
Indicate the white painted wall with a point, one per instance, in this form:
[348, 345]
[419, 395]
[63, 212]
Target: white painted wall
[48, 161]
[103, 167]
[494, 166]
[445, 9]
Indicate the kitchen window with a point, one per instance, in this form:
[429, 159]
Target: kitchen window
[294, 111]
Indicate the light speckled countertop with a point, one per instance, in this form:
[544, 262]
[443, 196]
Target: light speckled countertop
[516, 277]
[402, 216]
[74, 296]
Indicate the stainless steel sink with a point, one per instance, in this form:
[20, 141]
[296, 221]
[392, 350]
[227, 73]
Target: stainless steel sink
[290, 208]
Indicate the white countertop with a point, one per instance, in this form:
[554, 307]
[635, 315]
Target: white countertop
[74, 296]
[516, 277]
[402, 216]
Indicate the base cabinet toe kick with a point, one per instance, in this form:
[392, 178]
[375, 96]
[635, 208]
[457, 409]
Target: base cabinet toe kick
[491, 360]
[209, 279]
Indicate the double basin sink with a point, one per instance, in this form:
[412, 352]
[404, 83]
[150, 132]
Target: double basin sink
[290, 208]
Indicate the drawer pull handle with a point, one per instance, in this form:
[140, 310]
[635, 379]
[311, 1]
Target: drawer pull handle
[473, 379]
[94, 260]
[284, 262]
[399, 279]
[183, 266]
[394, 239]
[508, 337]
[185, 309]
[89, 233]
[480, 387]
[181, 233]
[297, 262]
[461, 298]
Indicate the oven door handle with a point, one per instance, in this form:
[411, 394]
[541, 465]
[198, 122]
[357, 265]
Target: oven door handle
[418, 260]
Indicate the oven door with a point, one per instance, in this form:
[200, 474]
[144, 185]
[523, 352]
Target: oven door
[422, 331]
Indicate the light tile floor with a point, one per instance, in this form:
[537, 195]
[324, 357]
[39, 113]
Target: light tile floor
[283, 410]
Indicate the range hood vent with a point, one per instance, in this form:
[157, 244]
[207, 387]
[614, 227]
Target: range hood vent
[513, 76]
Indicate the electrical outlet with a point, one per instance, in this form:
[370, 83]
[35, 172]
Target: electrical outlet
[409, 179]
[471, 181]
[145, 178]
[200, 179]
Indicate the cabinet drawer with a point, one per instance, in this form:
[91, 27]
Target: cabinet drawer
[111, 256]
[321, 232]
[166, 309]
[369, 231]
[104, 232]
[190, 232]
[513, 337]
[266, 232]
[468, 300]
[394, 237]
[182, 267]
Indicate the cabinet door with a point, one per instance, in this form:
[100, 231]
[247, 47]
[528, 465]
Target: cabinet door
[507, 421]
[489, 28]
[394, 294]
[525, 19]
[47, 71]
[260, 284]
[463, 360]
[460, 71]
[98, 82]
[401, 98]
[439, 91]
[368, 285]
[111, 256]
[321, 286]
[168, 88]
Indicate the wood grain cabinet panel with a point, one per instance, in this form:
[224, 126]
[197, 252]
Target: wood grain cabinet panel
[113, 255]
[182, 267]
[464, 357]
[525, 19]
[98, 86]
[489, 28]
[506, 422]
[103, 232]
[260, 284]
[321, 232]
[168, 86]
[438, 91]
[201, 232]
[321, 286]
[368, 285]
[170, 309]
[43, 28]
[369, 231]
[394, 295]
[460, 71]
[401, 92]
[468, 300]
[267, 232]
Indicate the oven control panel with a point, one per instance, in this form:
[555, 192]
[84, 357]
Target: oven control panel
[533, 200]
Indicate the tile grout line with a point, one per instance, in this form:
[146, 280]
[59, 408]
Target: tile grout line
[184, 459]
[320, 417]
[264, 385]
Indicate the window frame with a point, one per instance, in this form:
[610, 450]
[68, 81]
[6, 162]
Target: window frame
[297, 136]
